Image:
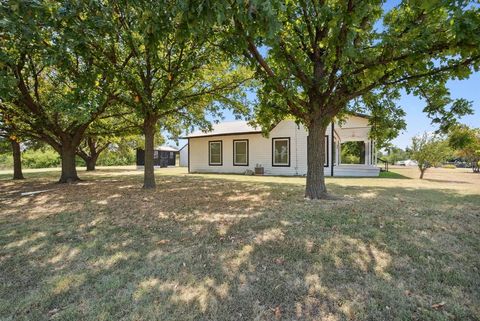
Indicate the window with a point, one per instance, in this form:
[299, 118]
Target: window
[281, 152]
[215, 153]
[240, 152]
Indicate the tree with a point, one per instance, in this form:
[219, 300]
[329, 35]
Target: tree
[429, 150]
[316, 58]
[106, 130]
[90, 149]
[395, 154]
[48, 80]
[8, 133]
[466, 142]
[174, 73]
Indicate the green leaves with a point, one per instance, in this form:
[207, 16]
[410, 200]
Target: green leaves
[429, 150]
[323, 55]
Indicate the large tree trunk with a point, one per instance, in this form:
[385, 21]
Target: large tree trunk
[91, 162]
[316, 188]
[17, 160]
[69, 170]
[149, 169]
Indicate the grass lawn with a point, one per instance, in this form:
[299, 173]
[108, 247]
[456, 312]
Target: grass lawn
[228, 247]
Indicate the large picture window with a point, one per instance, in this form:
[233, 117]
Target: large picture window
[215, 153]
[281, 152]
[240, 152]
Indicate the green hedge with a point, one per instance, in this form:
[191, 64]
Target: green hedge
[41, 158]
[48, 157]
[112, 158]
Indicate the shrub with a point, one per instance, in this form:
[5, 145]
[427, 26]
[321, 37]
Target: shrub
[40, 158]
[115, 158]
[449, 166]
[47, 157]
[6, 161]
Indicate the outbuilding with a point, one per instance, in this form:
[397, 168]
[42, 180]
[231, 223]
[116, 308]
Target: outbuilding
[163, 156]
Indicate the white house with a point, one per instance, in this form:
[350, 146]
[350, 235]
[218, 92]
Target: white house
[234, 147]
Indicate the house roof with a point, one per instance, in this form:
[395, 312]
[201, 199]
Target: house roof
[360, 115]
[166, 149]
[239, 127]
[228, 128]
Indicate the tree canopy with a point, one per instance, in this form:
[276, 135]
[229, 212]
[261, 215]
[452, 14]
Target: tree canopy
[168, 65]
[429, 151]
[50, 83]
[316, 59]
[466, 142]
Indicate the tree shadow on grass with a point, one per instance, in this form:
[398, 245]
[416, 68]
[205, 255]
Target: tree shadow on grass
[216, 249]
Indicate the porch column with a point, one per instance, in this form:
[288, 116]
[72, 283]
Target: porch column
[367, 152]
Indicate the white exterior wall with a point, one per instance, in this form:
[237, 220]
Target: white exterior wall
[260, 151]
[184, 156]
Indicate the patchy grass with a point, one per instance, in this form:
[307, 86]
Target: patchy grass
[226, 247]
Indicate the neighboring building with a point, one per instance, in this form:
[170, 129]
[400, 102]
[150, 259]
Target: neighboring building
[184, 156]
[163, 156]
[234, 147]
[407, 162]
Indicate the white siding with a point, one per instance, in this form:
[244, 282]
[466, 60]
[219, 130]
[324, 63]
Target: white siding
[260, 151]
[184, 156]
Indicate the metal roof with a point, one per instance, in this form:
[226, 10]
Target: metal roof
[166, 149]
[227, 128]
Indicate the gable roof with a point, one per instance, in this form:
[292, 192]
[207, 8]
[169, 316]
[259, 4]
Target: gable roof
[240, 127]
[166, 149]
[228, 128]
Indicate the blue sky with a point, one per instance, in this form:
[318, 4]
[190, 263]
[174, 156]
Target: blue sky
[417, 121]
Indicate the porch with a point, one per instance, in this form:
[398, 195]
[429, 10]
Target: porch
[354, 152]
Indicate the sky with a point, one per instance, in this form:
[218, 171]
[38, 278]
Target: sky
[417, 121]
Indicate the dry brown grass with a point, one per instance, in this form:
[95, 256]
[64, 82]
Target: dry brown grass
[229, 247]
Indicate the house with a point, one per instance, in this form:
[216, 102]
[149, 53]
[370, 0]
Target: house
[184, 156]
[163, 156]
[234, 147]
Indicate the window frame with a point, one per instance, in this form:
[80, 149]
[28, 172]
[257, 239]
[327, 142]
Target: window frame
[235, 148]
[209, 153]
[274, 139]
